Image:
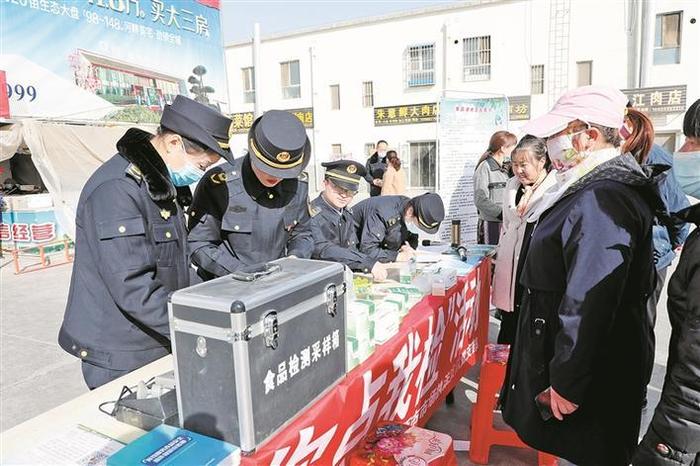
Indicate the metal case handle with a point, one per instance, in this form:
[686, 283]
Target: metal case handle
[253, 272]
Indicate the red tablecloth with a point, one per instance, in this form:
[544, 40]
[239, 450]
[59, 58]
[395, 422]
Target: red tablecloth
[404, 380]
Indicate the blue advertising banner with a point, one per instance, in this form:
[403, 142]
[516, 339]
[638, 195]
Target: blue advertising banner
[110, 59]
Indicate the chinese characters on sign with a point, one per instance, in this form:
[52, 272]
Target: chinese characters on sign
[404, 382]
[241, 122]
[297, 363]
[405, 114]
[28, 233]
[519, 108]
[160, 12]
[658, 100]
[51, 7]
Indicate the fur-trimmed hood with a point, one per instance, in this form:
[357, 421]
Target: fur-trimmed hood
[135, 146]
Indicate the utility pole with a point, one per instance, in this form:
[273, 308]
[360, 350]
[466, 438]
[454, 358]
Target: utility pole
[256, 70]
[646, 55]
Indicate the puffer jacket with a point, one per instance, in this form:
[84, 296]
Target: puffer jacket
[668, 237]
[673, 438]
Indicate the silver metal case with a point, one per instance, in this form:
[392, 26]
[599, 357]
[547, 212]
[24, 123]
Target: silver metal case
[253, 349]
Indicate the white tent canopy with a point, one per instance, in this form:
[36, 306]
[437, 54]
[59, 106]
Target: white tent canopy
[56, 97]
[66, 154]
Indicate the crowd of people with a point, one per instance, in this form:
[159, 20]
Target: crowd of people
[140, 234]
[588, 217]
[383, 172]
[586, 213]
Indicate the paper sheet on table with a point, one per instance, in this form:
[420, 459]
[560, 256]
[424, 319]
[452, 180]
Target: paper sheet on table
[430, 254]
[79, 446]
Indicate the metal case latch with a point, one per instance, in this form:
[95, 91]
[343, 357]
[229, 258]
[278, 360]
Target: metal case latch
[271, 330]
[331, 300]
[201, 347]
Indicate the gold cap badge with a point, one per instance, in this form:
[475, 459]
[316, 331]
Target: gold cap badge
[283, 157]
[352, 169]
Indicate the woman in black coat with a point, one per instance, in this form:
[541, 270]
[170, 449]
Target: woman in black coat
[581, 344]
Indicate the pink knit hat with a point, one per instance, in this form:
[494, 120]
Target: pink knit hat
[604, 106]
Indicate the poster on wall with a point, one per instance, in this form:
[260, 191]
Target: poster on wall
[120, 60]
[464, 129]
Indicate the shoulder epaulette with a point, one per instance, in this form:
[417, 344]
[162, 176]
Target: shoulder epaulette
[134, 172]
[313, 210]
[219, 178]
[303, 176]
[393, 221]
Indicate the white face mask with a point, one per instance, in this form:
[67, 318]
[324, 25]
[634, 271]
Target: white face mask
[412, 227]
[562, 153]
[686, 168]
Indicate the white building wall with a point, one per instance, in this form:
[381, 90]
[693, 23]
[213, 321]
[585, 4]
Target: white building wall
[374, 51]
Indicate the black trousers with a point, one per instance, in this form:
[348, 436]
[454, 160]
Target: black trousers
[509, 323]
[652, 303]
[488, 232]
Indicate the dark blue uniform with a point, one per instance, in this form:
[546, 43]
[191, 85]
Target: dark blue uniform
[130, 254]
[235, 221]
[381, 228]
[335, 236]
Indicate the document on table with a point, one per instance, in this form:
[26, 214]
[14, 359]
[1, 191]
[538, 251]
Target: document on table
[429, 254]
[79, 446]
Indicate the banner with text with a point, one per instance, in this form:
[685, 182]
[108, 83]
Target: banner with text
[404, 381]
[464, 129]
[110, 59]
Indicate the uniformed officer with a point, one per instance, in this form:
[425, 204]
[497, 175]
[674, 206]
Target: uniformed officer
[130, 250]
[254, 209]
[332, 224]
[389, 225]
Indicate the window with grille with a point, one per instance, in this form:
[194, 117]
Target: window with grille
[420, 66]
[335, 97]
[537, 79]
[667, 38]
[477, 58]
[369, 148]
[291, 84]
[585, 72]
[248, 85]
[367, 94]
[422, 165]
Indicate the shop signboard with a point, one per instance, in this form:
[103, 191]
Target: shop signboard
[658, 100]
[244, 120]
[519, 107]
[405, 114]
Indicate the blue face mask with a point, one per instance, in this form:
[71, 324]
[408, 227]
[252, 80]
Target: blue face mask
[686, 167]
[185, 176]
